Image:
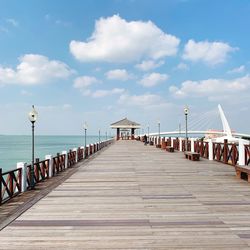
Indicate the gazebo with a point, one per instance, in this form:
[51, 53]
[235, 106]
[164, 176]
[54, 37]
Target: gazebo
[123, 127]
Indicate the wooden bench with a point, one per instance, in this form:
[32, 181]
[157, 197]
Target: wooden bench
[192, 156]
[243, 172]
[170, 149]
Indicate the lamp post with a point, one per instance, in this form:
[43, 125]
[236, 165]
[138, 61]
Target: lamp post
[186, 114]
[148, 133]
[106, 134]
[85, 127]
[99, 135]
[32, 117]
[159, 131]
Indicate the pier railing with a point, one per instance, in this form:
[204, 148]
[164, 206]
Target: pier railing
[41, 171]
[10, 184]
[201, 147]
[80, 154]
[71, 158]
[58, 163]
[19, 180]
[228, 153]
[247, 154]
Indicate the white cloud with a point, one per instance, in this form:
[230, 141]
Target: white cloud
[139, 100]
[240, 69]
[147, 102]
[118, 74]
[12, 21]
[82, 82]
[66, 106]
[34, 69]
[211, 53]
[182, 66]
[116, 40]
[148, 65]
[212, 88]
[102, 93]
[153, 79]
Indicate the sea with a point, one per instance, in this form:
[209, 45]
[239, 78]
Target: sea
[17, 148]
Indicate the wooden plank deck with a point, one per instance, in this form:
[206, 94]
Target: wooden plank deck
[133, 196]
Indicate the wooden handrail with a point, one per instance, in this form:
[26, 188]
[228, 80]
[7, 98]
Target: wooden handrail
[11, 183]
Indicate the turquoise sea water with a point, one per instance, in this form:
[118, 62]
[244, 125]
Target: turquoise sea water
[14, 148]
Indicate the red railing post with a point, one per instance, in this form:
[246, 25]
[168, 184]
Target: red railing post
[225, 152]
[11, 184]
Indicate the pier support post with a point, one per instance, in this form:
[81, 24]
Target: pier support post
[66, 158]
[192, 145]
[172, 141]
[87, 151]
[50, 158]
[210, 150]
[241, 153]
[75, 150]
[23, 166]
[180, 144]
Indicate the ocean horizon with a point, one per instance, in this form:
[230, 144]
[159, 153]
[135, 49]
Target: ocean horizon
[17, 148]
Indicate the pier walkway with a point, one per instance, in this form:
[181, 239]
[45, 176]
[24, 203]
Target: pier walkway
[132, 196]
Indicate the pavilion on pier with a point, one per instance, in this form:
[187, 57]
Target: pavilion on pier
[125, 129]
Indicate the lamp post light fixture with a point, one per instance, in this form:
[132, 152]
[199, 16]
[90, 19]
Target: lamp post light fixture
[186, 110]
[85, 127]
[106, 134]
[32, 117]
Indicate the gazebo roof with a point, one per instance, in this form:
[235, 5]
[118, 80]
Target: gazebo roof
[125, 123]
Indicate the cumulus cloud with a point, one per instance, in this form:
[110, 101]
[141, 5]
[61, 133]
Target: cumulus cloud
[34, 69]
[146, 101]
[212, 88]
[102, 93]
[182, 66]
[211, 53]
[82, 82]
[12, 21]
[138, 100]
[148, 65]
[116, 40]
[118, 74]
[240, 69]
[153, 79]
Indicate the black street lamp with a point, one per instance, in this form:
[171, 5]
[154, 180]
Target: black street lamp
[32, 117]
[148, 134]
[85, 127]
[186, 114]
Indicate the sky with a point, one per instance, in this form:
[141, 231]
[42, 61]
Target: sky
[100, 61]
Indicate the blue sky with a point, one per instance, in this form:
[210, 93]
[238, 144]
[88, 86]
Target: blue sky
[101, 61]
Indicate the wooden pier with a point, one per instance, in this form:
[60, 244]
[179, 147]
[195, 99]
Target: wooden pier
[131, 196]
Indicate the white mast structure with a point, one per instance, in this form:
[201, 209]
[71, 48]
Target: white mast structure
[227, 130]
